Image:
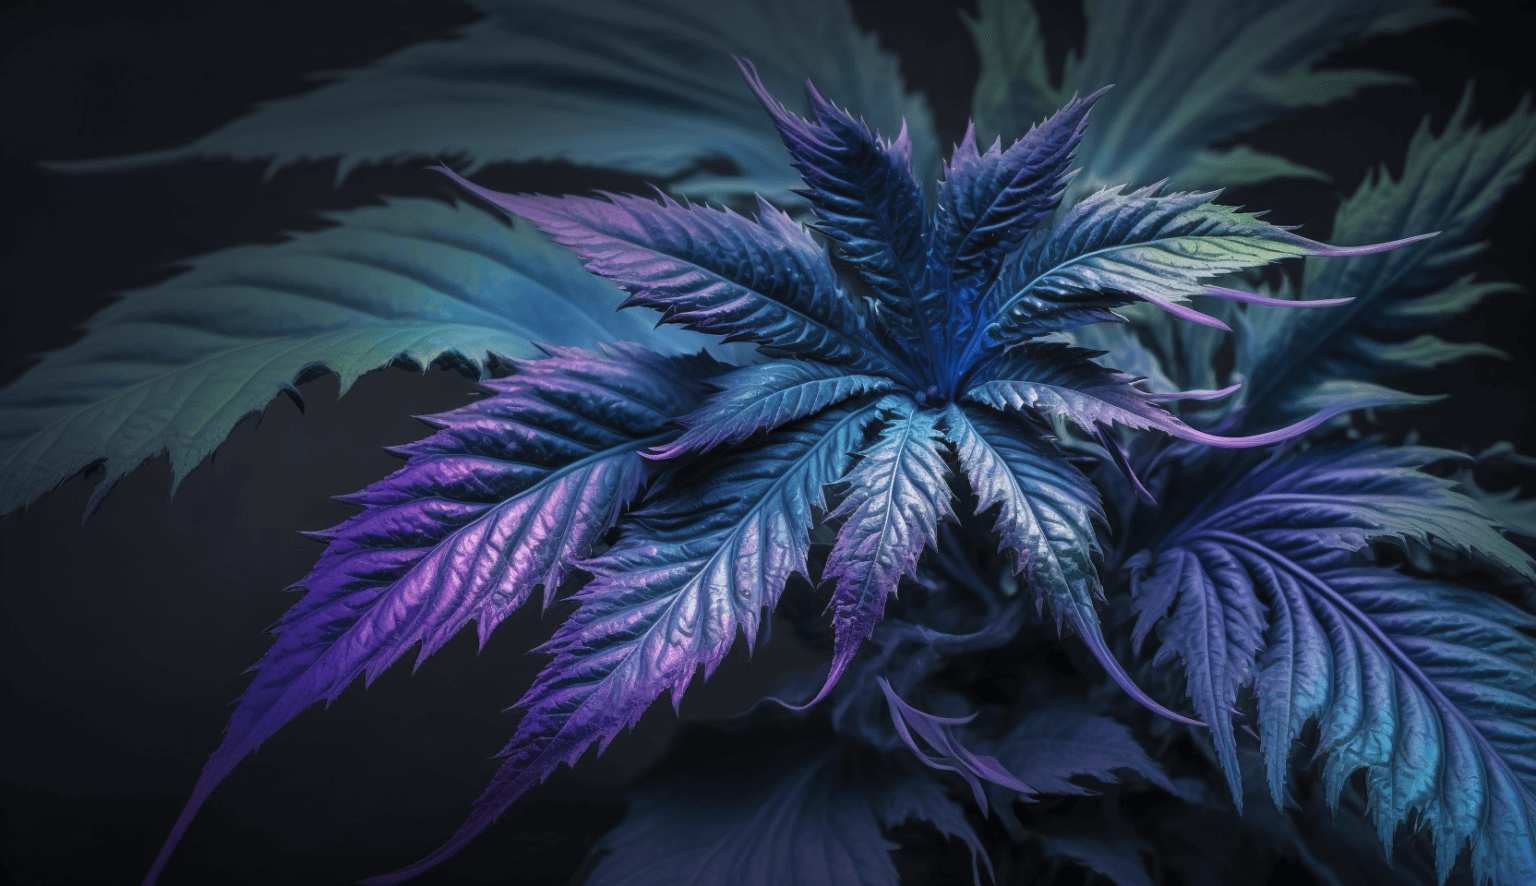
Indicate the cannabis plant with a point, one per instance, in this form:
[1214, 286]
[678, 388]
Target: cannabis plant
[935, 432]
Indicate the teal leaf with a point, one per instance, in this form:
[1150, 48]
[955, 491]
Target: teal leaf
[1298, 362]
[1188, 75]
[174, 367]
[645, 87]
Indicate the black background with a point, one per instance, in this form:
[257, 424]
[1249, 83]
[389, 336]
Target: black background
[123, 640]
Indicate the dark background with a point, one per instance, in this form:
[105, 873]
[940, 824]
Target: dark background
[123, 640]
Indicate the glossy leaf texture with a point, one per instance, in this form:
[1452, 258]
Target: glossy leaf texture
[896, 496]
[755, 823]
[710, 270]
[1047, 513]
[1114, 248]
[1189, 75]
[174, 367]
[868, 202]
[509, 493]
[697, 563]
[988, 202]
[1297, 362]
[1422, 684]
[644, 87]
[763, 397]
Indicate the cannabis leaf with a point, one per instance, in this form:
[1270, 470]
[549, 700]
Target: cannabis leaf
[173, 368]
[644, 87]
[1451, 182]
[849, 425]
[1191, 75]
[1423, 684]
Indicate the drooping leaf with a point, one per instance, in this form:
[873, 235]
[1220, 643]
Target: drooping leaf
[1451, 182]
[645, 87]
[763, 397]
[868, 202]
[989, 202]
[696, 564]
[511, 491]
[1424, 685]
[173, 368]
[709, 270]
[1189, 75]
[952, 755]
[1114, 248]
[897, 494]
[1047, 510]
[792, 820]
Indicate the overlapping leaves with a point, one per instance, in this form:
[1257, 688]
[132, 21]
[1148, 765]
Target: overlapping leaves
[1424, 685]
[173, 368]
[726, 522]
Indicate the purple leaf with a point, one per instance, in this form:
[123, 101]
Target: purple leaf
[953, 756]
[900, 800]
[503, 499]
[1049, 746]
[1424, 685]
[763, 397]
[868, 204]
[989, 202]
[710, 270]
[698, 563]
[896, 496]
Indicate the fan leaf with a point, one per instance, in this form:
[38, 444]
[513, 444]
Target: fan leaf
[644, 87]
[698, 562]
[173, 368]
[1424, 685]
[1451, 182]
[512, 491]
[710, 270]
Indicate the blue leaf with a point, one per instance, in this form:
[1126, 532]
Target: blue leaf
[698, 562]
[174, 367]
[1424, 685]
[710, 270]
[797, 819]
[868, 204]
[512, 491]
[989, 202]
[763, 397]
[897, 494]
[1046, 515]
[645, 87]
[1451, 182]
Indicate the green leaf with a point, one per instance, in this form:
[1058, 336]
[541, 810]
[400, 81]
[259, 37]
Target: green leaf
[174, 367]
